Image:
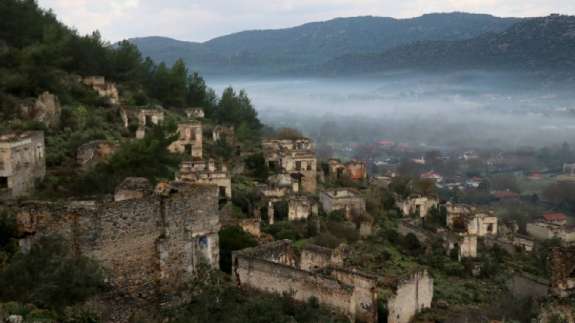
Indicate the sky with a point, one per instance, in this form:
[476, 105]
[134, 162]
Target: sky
[201, 20]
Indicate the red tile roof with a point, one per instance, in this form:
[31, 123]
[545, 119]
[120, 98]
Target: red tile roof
[506, 195]
[555, 217]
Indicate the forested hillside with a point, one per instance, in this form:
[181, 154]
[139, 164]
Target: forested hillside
[38, 54]
[282, 50]
[535, 45]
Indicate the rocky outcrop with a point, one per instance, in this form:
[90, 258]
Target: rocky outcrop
[45, 109]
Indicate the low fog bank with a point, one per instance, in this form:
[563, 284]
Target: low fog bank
[459, 110]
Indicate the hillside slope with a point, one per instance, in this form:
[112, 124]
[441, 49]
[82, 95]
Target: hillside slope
[536, 45]
[317, 42]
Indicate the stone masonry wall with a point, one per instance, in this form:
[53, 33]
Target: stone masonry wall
[149, 247]
[411, 296]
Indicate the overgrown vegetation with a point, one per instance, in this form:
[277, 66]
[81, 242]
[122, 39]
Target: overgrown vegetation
[50, 276]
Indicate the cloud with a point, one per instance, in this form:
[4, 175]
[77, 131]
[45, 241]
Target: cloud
[204, 19]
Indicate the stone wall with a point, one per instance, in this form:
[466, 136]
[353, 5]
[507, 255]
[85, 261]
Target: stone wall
[314, 257]
[350, 293]
[149, 247]
[411, 296]
[190, 141]
[22, 162]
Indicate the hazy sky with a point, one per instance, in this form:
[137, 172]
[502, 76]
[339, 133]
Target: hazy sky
[199, 20]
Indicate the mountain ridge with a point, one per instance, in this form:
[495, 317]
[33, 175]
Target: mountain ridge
[282, 50]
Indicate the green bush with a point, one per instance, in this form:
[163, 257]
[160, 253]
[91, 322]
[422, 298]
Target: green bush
[50, 276]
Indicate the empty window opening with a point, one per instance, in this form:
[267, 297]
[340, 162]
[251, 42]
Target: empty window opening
[3, 182]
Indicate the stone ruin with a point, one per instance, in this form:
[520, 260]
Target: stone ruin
[105, 89]
[207, 172]
[22, 163]
[94, 152]
[470, 220]
[146, 118]
[226, 134]
[347, 200]
[416, 204]
[45, 109]
[319, 272]
[150, 245]
[562, 267]
[195, 113]
[295, 157]
[190, 141]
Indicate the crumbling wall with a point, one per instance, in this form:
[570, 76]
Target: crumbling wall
[149, 247]
[411, 296]
[314, 257]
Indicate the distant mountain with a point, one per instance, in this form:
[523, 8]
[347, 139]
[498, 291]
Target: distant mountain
[537, 45]
[316, 43]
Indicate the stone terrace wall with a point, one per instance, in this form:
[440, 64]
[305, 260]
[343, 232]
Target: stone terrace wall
[411, 296]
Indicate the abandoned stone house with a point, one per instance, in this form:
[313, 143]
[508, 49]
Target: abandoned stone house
[150, 245]
[207, 172]
[562, 267]
[417, 205]
[354, 170]
[146, 118]
[464, 244]
[465, 218]
[301, 208]
[295, 157]
[223, 133]
[94, 152]
[318, 272]
[22, 163]
[190, 141]
[347, 200]
[105, 89]
[195, 113]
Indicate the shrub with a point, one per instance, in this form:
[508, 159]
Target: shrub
[50, 276]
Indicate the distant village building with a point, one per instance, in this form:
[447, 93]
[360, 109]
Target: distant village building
[147, 118]
[552, 226]
[202, 172]
[417, 204]
[506, 195]
[190, 141]
[354, 170]
[347, 200]
[195, 113]
[22, 163]
[431, 175]
[105, 89]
